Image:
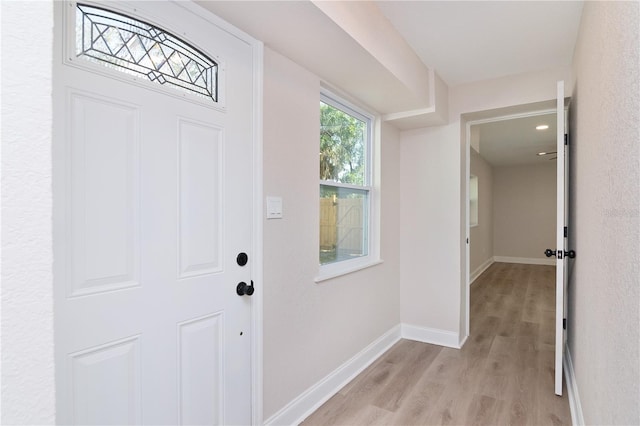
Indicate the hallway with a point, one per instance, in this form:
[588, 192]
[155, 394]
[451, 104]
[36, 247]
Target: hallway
[504, 374]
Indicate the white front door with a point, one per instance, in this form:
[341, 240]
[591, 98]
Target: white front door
[152, 206]
[562, 184]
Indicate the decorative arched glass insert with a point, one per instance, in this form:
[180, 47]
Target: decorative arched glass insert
[138, 48]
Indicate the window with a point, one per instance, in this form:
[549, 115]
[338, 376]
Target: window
[135, 47]
[345, 186]
[473, 201]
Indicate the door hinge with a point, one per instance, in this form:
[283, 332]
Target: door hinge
[566, 232]
[566, 139]
[564, 323]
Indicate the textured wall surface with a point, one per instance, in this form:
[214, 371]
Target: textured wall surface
[524, 210]
[311, 329]
[604, 297]
[28, 395]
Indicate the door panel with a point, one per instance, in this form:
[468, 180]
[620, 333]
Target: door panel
[103, 184]
[152, 203]
[200, 181]
[561, 221]
[201, 390]
[109, 372]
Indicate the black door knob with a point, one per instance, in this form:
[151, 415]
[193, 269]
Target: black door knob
[243, 288]
[571, 254]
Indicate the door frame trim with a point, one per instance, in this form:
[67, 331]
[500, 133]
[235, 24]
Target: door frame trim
[257, 240]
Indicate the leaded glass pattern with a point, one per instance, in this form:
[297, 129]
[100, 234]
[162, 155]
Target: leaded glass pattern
[138, 48]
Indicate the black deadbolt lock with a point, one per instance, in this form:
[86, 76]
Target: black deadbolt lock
[242, 259]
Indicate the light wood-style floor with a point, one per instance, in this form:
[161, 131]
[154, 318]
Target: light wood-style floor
[502, 376]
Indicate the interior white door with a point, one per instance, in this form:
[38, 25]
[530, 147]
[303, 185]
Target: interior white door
[561, 235]
[152, 206]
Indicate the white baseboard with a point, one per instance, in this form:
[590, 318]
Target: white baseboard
[311, 399]
[431, 335]
[463, 341]
[480, 269]
[525, 260]
[577, 418]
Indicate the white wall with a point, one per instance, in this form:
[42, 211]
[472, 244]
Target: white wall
[507, 91]
[481, 236]
[524, 210]
[311, 329]
[604, 286]
[28, 391]
[429, 291]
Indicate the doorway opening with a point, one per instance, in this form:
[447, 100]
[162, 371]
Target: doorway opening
[499, 125]
[512, 185]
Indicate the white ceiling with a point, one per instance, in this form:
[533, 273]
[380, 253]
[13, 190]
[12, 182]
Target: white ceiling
[463, 41]
[517, 142]
[467, 41]
[302, 32]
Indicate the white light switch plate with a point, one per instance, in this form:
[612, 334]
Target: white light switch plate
[274, 207]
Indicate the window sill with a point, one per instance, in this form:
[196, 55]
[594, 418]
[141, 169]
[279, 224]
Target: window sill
[330, 273]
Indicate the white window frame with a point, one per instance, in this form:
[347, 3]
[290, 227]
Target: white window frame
[343, 267]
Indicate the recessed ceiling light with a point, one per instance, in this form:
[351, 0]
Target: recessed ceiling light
[542, 127]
